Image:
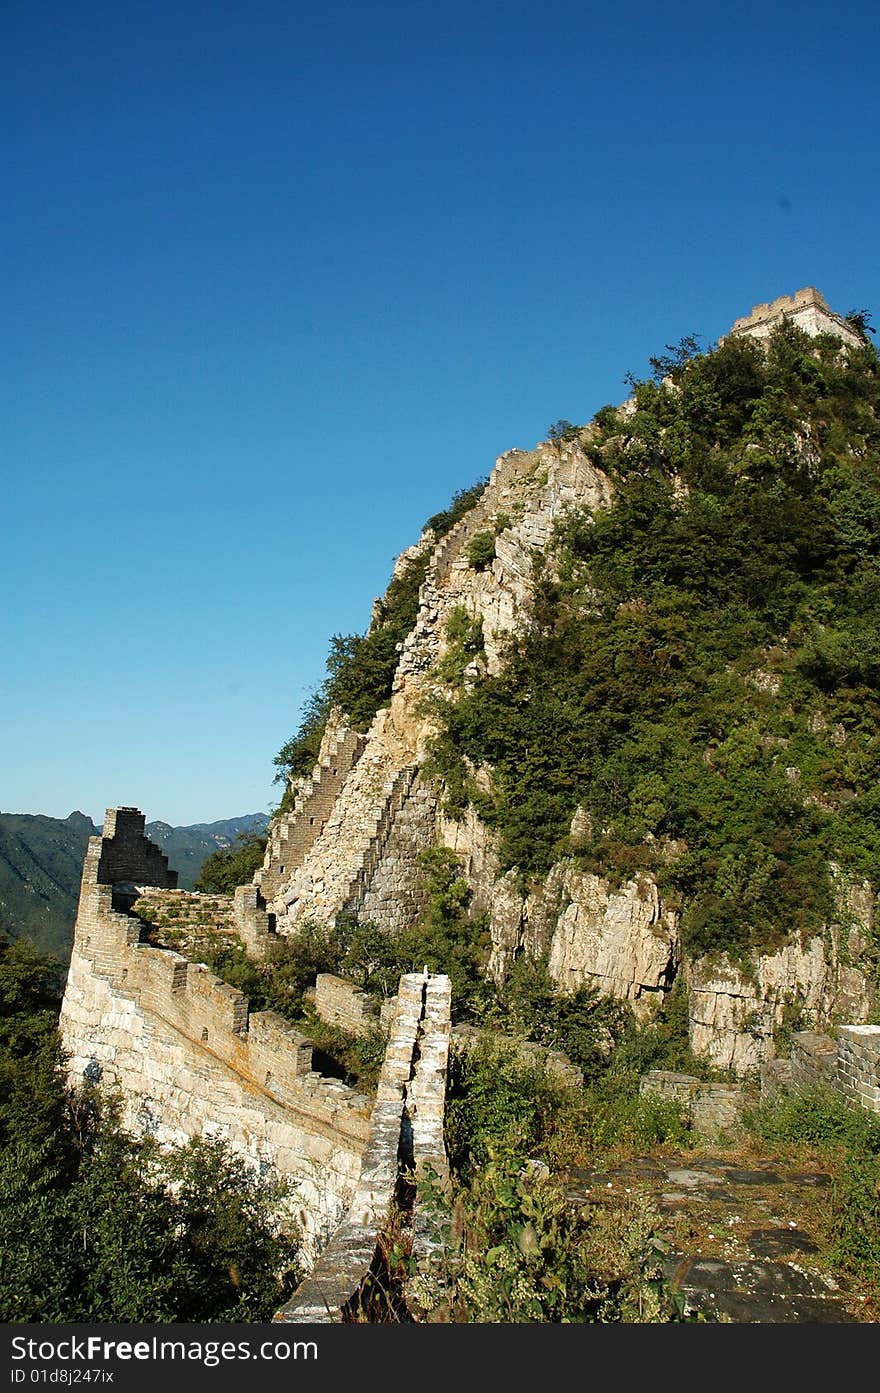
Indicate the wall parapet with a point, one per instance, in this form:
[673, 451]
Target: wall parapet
[186, 1051]
[711, 1108]
[341, 1003]
[807, 308]
[406, 1136]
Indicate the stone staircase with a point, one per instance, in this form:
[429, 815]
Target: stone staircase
[294, 834]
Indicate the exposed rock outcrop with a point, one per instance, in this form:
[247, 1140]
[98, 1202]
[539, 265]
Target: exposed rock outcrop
[735, 1013]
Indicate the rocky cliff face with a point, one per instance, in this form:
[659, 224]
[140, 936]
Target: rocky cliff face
[359, 853]
[360, 820]
[735, 1014]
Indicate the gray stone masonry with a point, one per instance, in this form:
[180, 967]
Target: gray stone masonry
[775, 1077]
[406, 1134]
[712, 1108]
[661, 1083]
[390, 888]
[807, 308]
[294, 833]
[858, 1065]
[396, 796]
[188, 1056]
[341, 1003]
[255, 927]
[813, 1059]
[716, 1108]
[122, 854]
[425, 1103]
[849, 1065]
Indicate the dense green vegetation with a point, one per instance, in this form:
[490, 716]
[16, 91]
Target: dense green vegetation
[514, 1250]
[93, 1226]
[41, 860]
[234, 865]
[702, 674]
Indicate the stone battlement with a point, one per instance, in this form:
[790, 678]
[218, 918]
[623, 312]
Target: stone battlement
[294, 833]
[189, 1056]
[807, 308]
[849, 1065]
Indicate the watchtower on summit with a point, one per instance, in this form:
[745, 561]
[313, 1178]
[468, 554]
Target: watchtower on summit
[807, 308]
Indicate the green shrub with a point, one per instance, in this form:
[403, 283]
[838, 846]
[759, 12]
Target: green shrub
[494, 1099]
[480, 550]
[464, 635]
[512, 1250]
[223, 870]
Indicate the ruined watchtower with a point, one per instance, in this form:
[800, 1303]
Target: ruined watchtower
[807, 308]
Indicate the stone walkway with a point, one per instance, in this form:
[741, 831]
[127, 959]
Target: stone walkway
[742, 1235]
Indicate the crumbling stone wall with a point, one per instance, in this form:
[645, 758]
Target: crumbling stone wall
[711, 1108]
[389, 889]
[340, 1002]
[813, 1060]
[293, 835]
[186, 1052]
[849, 1065]
[123, 857]
[406, 1138]
[194, 921]
[365, 859]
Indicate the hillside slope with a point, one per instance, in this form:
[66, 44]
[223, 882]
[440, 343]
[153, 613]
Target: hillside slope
[638, 700]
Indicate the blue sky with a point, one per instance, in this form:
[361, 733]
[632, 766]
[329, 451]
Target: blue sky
[279, 279]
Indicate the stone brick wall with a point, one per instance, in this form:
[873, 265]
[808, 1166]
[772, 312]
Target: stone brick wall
[858, 1065]
[339, 1002]
[712, 1108]
[717, 1107]
[293, 835]
[406, 1134]
[813, 1060]
[662, 1083]
[123, 855]
[389, 887]
[189, 1056]
[849, 1065]
[253, 924]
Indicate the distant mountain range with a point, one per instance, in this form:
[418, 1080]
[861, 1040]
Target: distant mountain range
[41, 863]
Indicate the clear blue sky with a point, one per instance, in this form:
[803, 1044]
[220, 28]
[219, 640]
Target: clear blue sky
[279, 278]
